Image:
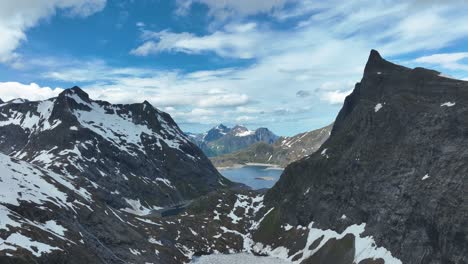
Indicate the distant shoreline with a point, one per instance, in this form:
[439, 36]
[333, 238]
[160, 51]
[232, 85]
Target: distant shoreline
[268, 166]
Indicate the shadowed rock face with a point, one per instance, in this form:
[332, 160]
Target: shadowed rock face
[396, 160]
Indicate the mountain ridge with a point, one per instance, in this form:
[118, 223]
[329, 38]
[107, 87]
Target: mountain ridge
[76, 136]
[222, 139]
[393, 162]
[282, 152]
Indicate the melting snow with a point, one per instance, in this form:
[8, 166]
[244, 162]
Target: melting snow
[166, 182]
[21, 181]
[365, 246]
[18, 240]
[448, 104]
[245, 133]
[137, 208]
[378, 107]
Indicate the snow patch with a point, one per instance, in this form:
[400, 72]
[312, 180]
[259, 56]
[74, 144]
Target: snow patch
[448, 104]
[377, 107]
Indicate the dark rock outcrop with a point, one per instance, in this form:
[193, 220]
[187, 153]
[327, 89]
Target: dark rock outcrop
[395, 161]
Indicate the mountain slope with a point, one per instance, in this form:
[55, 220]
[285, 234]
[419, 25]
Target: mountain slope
[221, 139]
[130, 154]
[284, 151]
[395, 162]
[29, 226]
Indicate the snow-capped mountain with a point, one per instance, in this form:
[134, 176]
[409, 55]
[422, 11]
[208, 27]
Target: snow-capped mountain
[221, 139]
[284, 151]
[128, 154]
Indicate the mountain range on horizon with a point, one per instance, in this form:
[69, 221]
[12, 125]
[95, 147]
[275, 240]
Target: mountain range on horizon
[87, 181]
[221, 139]
[281, 152]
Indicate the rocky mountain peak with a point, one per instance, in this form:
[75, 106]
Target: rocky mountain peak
[396, 158]
[239, 128]
[221, 127]
[147, 104]
[376, 65]
[75, 92]
[216, 133]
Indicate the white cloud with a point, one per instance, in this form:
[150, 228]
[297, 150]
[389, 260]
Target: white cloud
[18, 16]
[235, 40]
[322, 49]
[449, 61]
[222, 10]
[224, 100]
[335, 97]
[12, 90]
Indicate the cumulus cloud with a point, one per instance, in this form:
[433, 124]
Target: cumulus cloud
[33, 92]
[320, 49]
[19, 16]
[335, 97]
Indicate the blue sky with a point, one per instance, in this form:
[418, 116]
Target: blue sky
[283, 64]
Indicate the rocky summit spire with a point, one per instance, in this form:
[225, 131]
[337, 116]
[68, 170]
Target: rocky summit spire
[377, 65]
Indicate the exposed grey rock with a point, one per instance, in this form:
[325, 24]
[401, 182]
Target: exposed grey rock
[395, 161]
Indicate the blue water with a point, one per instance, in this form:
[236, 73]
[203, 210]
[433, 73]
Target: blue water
[248, 174]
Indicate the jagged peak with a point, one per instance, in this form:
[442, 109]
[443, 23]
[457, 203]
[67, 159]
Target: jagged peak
[378, 65]
[221, 125]
[75, 90]
[147, 105]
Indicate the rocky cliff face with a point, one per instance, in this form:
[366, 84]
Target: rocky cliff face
[284, 151]
[395, 163]
[128, 154]
[221, 139]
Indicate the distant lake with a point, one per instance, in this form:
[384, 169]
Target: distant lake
[243, 258]
[249, 175]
